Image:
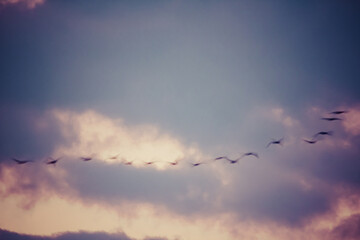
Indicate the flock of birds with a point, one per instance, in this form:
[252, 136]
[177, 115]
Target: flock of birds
[313, 140]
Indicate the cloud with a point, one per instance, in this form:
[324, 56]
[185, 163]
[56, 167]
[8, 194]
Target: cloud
[351, 122]
[288, 186]
[90, 133]
[30, 4]
[348, 229]
[70, 236]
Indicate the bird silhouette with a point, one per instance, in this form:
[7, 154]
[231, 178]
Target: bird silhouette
[149, 163]
[85, 159]
[322, 133]
[53, 161]
[174, 163]
[339, 112]
[128, 162]
[278, 142]
[331, 118]
[250, 154]
[219, 158]
[232, 161]
[310, 141]
[197, 164]
[18, 161]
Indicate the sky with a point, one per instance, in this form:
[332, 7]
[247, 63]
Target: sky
[184, 82]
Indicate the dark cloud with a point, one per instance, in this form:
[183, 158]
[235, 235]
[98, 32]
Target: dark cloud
[335, 162]
[348, 229]
[183, 191]
[8, 235]
[267, 194]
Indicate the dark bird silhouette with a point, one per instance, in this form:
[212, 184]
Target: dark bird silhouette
[197, 164]
[310, 141]
[85, 159]
[322, 133]
[339, 112]
[250, 154]
[331, 118]
[21, 161]
[149, 163]
[232, 161]
[278, 142]
[174, 163]
[219, 158]
[53, 161]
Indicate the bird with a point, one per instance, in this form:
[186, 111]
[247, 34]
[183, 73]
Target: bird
[21, 161]
[330, 118]
[310, 141]
[196, 164]
[128, 162]
[219, 158]
[329, 133]
[149, 163]
[232, 161]
[85, 159]
[250, 154]
[53, 161]
[278, 142]
[174, 163]
[339, 112]
[114, 157]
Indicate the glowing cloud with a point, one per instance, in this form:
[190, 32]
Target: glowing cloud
[111, 140]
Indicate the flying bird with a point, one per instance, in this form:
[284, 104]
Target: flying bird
[174, 163]
[329, 133]
[53, 161]
[114, 157]
[310, 141]
[330, 118]
[21, 161]
[339, 112]
[250, 154]
[149, 163]
[128, 162]
[219, 158]
[278, 142]
[85, 159]
[232, 161]
[197, 164]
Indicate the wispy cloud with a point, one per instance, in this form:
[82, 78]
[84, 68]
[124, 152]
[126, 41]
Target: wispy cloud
[31, 4]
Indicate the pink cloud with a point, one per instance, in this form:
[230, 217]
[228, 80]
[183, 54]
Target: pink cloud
[288, 175]
[351, 122]
[90, 132]
[30, 4]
